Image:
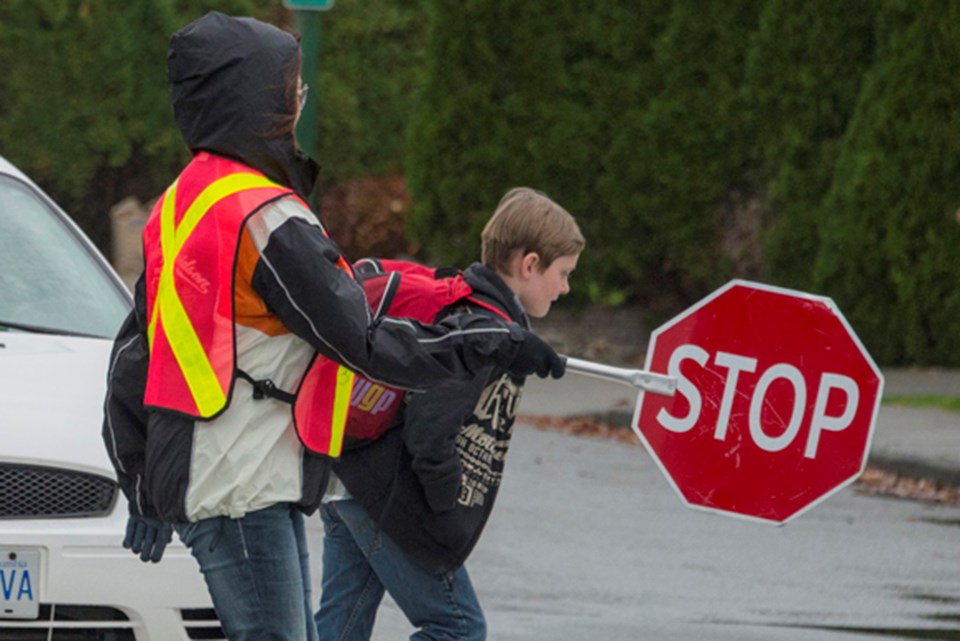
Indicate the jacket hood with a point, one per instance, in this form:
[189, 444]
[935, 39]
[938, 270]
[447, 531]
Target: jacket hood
[227, 86]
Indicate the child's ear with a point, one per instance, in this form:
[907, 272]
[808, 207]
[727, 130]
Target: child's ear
[528, 263]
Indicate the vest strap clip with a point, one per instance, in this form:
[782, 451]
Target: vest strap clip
[266, 388]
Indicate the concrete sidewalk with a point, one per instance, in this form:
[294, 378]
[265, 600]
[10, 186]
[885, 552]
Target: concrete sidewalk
[920, 443]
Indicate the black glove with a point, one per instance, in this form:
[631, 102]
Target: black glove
[147, 537]
[535, 356]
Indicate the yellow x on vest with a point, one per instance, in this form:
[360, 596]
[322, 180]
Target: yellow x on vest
[197, 371]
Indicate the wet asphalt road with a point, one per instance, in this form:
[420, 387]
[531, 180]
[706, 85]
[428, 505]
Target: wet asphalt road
[589, 542]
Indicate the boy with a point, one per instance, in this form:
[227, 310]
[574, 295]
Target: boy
[405, 511]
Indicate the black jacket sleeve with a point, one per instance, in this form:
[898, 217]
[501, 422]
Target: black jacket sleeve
[298, 278]
[125, 419]
[432, 421]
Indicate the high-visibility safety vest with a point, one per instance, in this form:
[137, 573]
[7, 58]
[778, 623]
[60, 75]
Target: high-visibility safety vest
[191, 241]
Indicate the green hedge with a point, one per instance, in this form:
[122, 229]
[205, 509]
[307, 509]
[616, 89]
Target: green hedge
[804, 71]
[371, 64]
[674, 164]
[805, 143]
[84, 106]
[890, 232]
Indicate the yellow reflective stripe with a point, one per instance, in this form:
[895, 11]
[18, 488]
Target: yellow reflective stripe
[191, 356]
[215, 192]
[166, 240]
[341, 405]
[189, 352]
[194, 364]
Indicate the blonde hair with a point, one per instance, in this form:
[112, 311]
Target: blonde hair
[525, 221]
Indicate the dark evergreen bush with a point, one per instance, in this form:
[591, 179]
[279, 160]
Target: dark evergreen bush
[522, 93]
[890, 232]
[623, 112]
[807, 143]
[84, 107]
[371, 65]
[675, 160]
[805, 67]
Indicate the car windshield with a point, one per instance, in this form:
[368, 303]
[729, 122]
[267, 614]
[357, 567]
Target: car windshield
[50, 280]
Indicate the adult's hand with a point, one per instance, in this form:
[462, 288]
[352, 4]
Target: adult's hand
[147, 537]
[535, 356]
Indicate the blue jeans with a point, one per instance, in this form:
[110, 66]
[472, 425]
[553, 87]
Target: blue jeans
[360, 562]
[257, 571]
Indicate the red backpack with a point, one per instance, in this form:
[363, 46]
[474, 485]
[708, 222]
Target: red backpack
[400, 289]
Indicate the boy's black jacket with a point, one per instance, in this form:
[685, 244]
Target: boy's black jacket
[431, 481]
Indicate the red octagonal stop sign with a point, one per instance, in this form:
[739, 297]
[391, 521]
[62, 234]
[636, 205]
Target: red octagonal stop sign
[775, 406]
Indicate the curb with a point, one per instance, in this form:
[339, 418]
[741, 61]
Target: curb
[915, 469]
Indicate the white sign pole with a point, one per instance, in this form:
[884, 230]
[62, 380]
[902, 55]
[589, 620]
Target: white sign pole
[638, 378]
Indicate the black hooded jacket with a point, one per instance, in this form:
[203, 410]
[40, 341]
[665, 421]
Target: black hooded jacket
[431, 481]
[229, 83]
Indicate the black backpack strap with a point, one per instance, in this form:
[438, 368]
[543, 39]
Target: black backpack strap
[368, 266]
[446, 272]
[266, 387]
[389, 293]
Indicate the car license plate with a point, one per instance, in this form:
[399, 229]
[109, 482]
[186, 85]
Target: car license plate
[19, 583]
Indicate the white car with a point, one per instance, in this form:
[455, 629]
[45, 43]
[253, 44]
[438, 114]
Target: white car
[63, 572]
